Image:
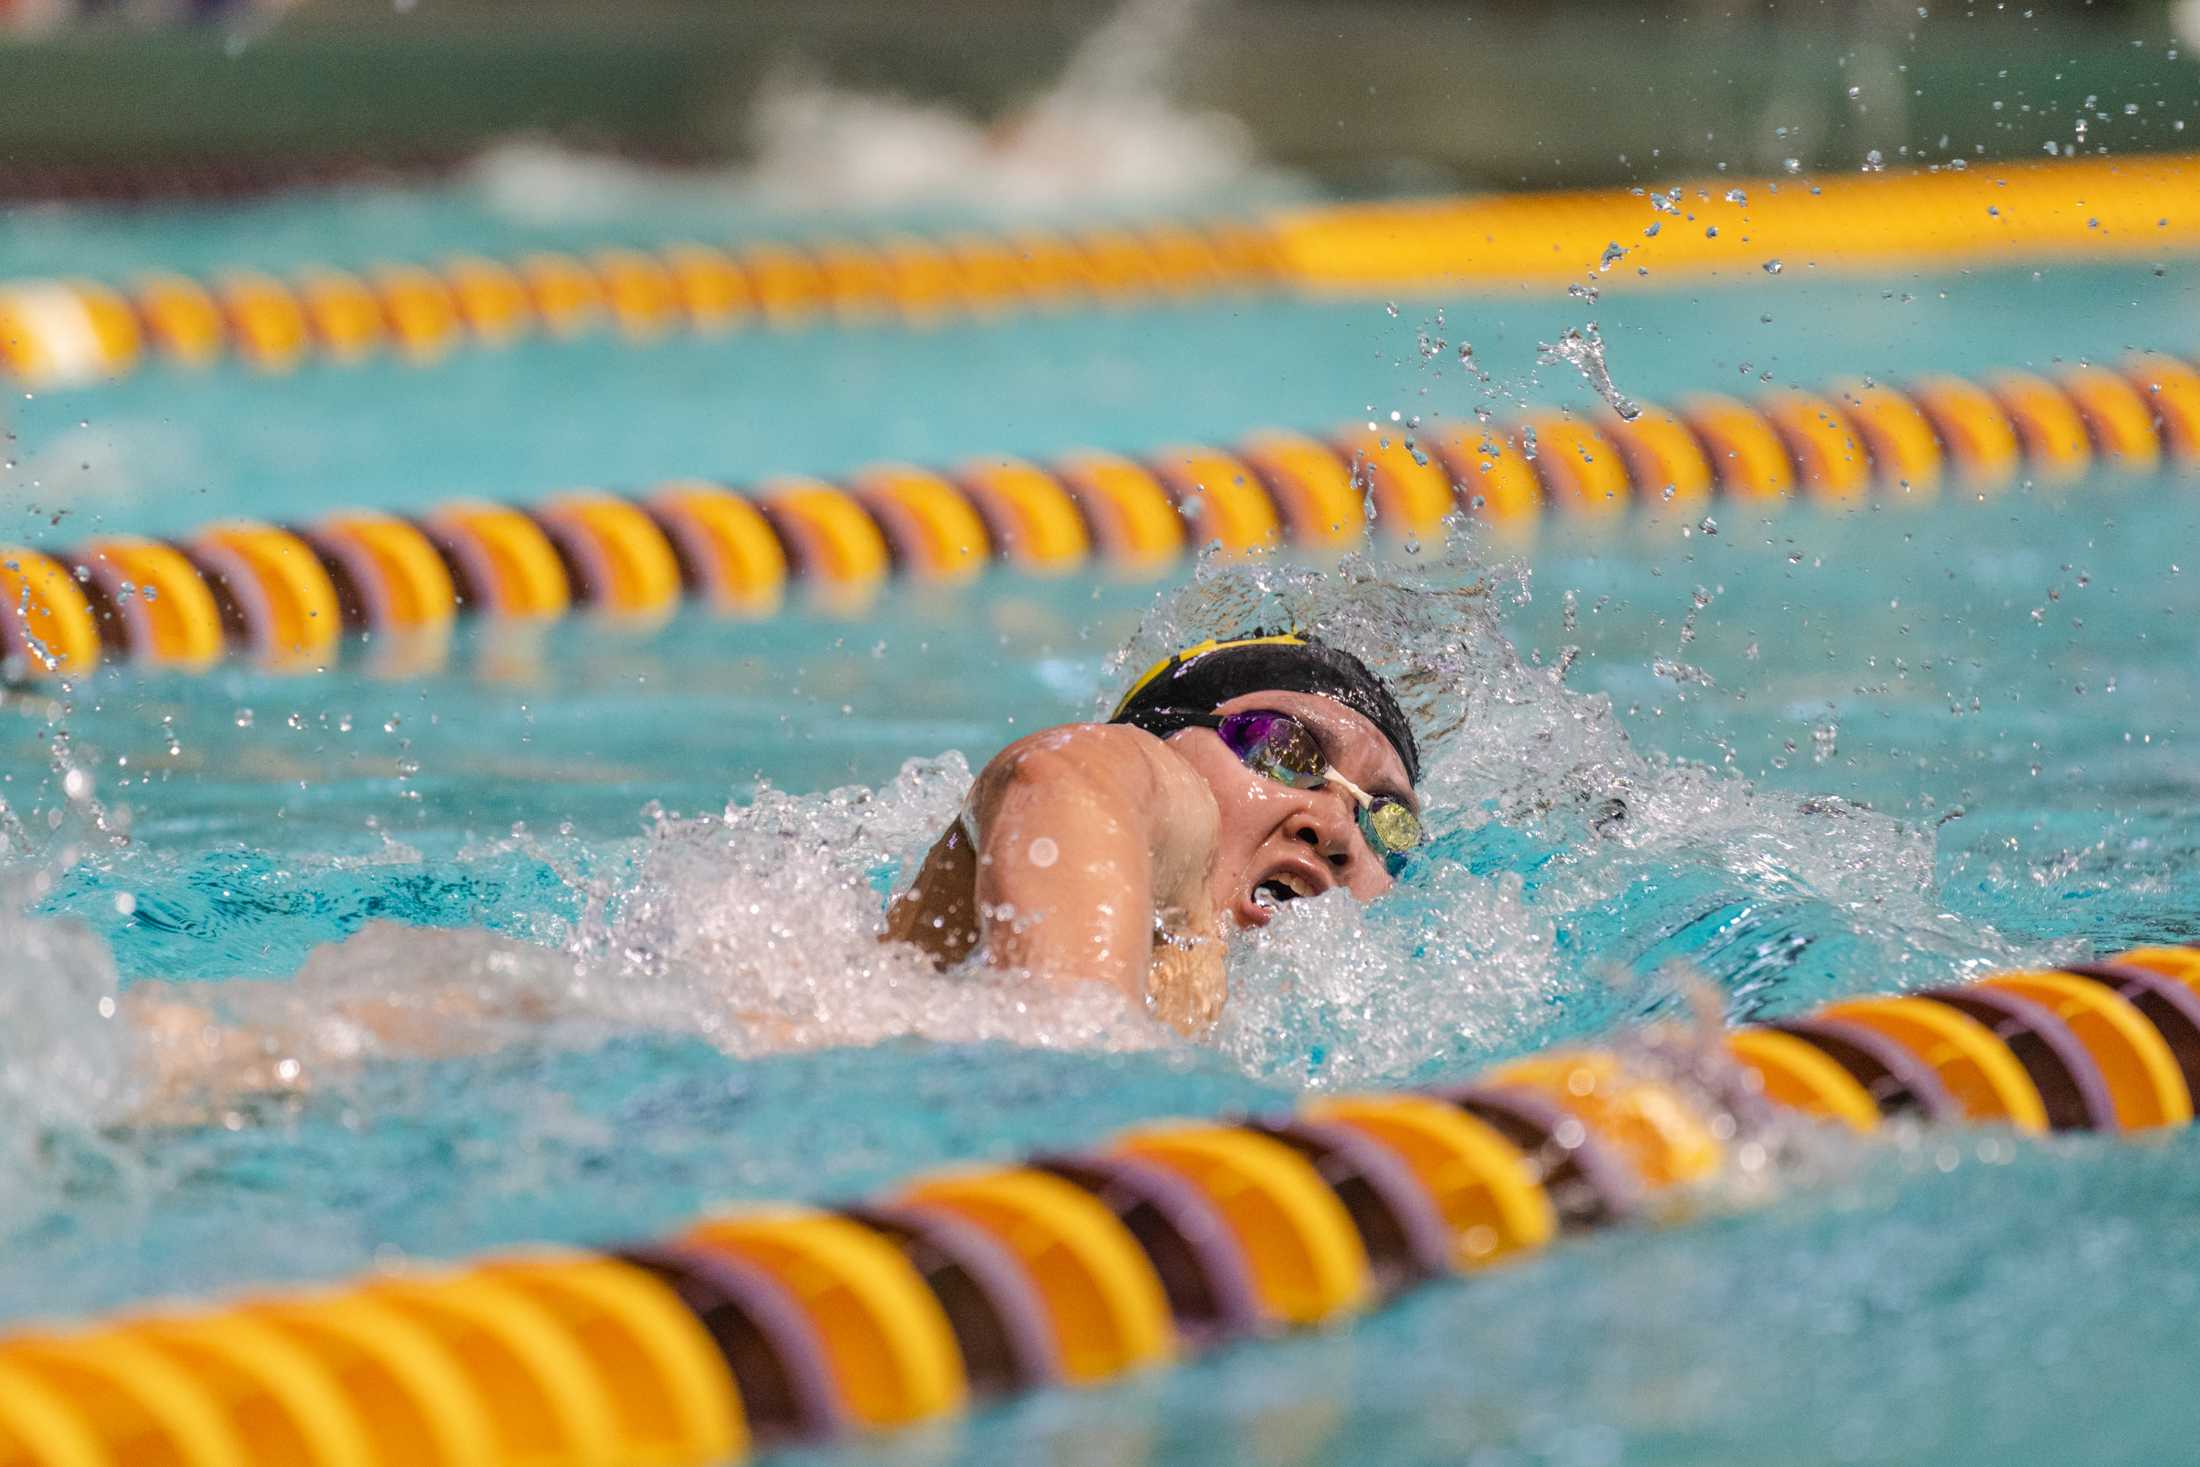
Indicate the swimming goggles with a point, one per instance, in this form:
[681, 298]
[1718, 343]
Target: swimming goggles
[1279, 747]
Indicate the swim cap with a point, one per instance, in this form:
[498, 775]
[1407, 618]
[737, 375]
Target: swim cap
[1211, 674]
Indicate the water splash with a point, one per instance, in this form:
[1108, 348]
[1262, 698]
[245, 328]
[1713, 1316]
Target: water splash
[759, 930]
[1567, 870]
[1583, 350]
[68, 1063]
[1105, 132]
[1553, 837]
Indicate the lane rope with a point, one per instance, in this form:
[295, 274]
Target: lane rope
[768, 1325]
[301, 597]
[72, 330]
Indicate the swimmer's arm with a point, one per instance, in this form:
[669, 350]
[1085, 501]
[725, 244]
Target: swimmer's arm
[194, 1057]
[1085, 835]
[254, 1037]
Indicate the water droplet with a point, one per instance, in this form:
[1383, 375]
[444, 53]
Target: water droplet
[244, 718]
[1584, 351]
[1772, 267]
[1044, 852]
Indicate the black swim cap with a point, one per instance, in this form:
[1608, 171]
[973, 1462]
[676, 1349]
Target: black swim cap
[1209, 675]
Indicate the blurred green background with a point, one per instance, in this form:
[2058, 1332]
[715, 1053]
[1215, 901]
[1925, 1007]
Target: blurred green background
[110, 99]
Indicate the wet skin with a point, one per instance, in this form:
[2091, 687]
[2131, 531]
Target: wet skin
[1105, 854]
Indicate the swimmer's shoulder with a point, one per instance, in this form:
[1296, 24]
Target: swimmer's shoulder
[1113, 755]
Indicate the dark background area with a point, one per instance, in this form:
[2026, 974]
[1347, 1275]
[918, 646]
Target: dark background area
[1378, 95]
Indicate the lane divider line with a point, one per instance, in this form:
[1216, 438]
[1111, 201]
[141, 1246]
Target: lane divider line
[2138, 207]
[70, 331]
[769, 1325]
[57, 332]
[295, 596]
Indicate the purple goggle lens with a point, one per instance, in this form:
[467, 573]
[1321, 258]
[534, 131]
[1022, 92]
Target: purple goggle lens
[1277, 746]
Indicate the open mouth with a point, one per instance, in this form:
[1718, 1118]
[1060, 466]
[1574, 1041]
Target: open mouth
[1278, 889]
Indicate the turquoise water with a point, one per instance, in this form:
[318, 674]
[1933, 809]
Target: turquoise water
[1887, 748]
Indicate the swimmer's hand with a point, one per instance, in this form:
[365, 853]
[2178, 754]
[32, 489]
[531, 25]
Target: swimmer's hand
[196, 1062]
[257, 1038]
[1094, 844]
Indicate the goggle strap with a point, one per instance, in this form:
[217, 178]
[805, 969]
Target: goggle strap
[1365, 800]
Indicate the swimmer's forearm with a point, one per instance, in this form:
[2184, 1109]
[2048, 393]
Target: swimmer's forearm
[192, 1056]
[268, 1038]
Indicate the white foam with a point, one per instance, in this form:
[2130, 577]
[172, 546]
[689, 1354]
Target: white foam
[760, 931]
[824, 147]
[1462, 963]
[68, 1062]
[1106, 133]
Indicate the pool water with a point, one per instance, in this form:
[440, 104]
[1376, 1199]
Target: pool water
[1789, 757]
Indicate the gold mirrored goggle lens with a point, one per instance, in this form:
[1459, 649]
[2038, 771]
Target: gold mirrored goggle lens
[1394, 828]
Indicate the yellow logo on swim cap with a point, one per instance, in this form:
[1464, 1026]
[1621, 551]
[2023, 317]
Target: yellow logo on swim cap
[1201, 649]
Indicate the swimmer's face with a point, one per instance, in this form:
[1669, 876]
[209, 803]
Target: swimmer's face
[1277, 843]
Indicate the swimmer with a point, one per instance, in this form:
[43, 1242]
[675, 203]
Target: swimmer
[1231, 778]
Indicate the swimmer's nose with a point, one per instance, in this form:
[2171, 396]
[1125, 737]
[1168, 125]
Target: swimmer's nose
[1328, 820]
[1326, 824]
